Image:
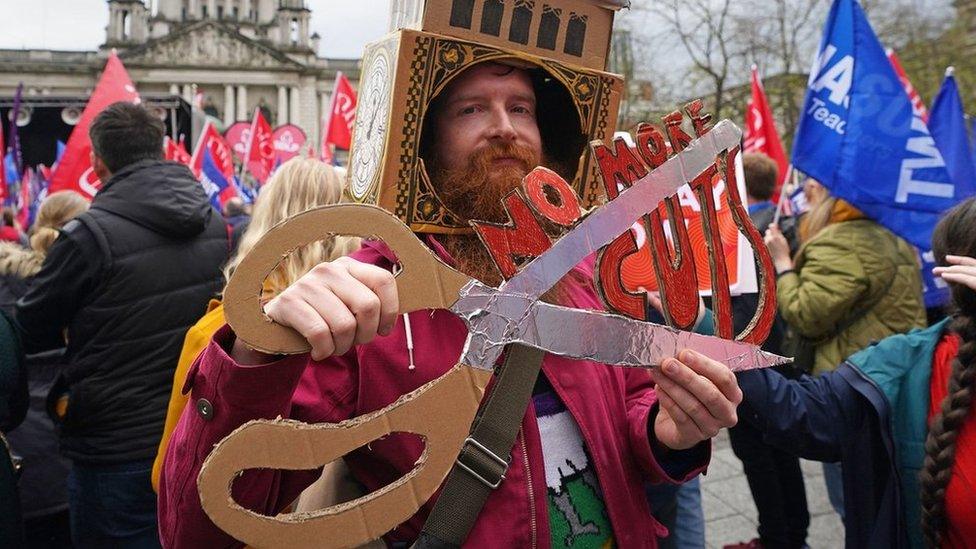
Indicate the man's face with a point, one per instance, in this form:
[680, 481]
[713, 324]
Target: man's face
[487, 139]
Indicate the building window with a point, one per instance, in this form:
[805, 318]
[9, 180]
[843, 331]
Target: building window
[126, 25]
[237, 13]
[294, 32]
[204, 8]
[183, 13]
[220, 12]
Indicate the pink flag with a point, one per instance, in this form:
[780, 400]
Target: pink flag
[760, 135]
[211, 140]
[74, 172]
[918, 106]
[288, 142]
[237, 136]
[260, 155]
[342, 116]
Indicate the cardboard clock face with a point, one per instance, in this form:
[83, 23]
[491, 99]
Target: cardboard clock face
[370, 131]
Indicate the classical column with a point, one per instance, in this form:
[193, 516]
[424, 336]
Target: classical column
[229, 112]
[294, 115]
[282, 116]
[174, 89]
[242, 112]
[212, 8]
[245, 10]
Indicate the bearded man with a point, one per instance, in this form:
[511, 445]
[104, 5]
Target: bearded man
[590, 437]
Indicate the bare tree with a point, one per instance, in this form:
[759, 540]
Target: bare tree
[704, 28]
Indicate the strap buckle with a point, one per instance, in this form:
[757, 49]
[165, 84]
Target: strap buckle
[485, 460]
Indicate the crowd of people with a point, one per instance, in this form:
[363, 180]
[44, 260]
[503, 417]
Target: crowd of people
[119, 373]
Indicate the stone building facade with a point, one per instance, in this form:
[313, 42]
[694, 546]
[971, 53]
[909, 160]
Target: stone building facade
[228, 57]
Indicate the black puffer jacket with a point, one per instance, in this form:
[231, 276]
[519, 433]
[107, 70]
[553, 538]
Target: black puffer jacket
[127, 278]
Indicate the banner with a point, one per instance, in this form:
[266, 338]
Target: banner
[74, 171]
[237, 136]
[337, 129]
[260, 155]
[760, 133]
[220, 152]
[947, 123]
[288, 142]
[918, 106]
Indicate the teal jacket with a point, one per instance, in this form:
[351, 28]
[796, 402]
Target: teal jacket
[871, 415]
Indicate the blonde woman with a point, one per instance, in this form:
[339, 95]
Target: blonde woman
[298, 185]
[43, 481]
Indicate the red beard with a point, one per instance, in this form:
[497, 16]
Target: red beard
[475, 191]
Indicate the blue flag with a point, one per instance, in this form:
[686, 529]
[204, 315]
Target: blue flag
[212, 179]
[947, 122]
[859, 137]
[60, 152]
[13, 178]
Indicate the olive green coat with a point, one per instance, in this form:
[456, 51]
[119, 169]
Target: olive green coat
[853, 283]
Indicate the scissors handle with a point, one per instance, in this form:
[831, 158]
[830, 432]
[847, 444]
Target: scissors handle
[424, 282]
[265, 444]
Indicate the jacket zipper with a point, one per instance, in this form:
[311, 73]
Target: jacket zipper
[528, 478]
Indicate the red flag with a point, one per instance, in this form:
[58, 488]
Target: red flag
[260, 154]
[761, 135]
[342, 115]
[211, 140]
[918, 106]
[175, 151]
[74, 172]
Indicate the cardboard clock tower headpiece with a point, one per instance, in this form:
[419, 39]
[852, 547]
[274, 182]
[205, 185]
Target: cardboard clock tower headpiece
[564, 42]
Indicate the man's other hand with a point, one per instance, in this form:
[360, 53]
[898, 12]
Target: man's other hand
[338, 304]
[698, 397]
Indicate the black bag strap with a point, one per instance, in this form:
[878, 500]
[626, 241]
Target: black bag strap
[484, 458]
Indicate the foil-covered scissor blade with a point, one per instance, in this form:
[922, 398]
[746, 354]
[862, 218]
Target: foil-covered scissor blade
[496, 319]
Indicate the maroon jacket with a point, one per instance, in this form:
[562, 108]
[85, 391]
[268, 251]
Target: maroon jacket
[611, 405]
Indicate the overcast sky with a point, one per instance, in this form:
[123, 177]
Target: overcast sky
[345, 26]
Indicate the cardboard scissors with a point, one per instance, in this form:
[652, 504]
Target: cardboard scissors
[442, 410]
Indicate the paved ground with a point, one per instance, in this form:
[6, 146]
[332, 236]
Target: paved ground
[730, 514]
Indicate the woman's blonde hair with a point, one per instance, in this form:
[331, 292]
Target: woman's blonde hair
[298, 185]
[56, 210]
[818, 218]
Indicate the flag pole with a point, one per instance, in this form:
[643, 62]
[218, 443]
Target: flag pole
[784, 193]
[327, 126]
[247, 151]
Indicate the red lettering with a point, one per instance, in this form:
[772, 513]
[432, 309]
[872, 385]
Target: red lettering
[702, 122]
[762, 322]
[617, 166]
[721, 297]
[651, 146]
[608, 281]
[678, 137]
[676, 277]
[512, 243]
[551, 197]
